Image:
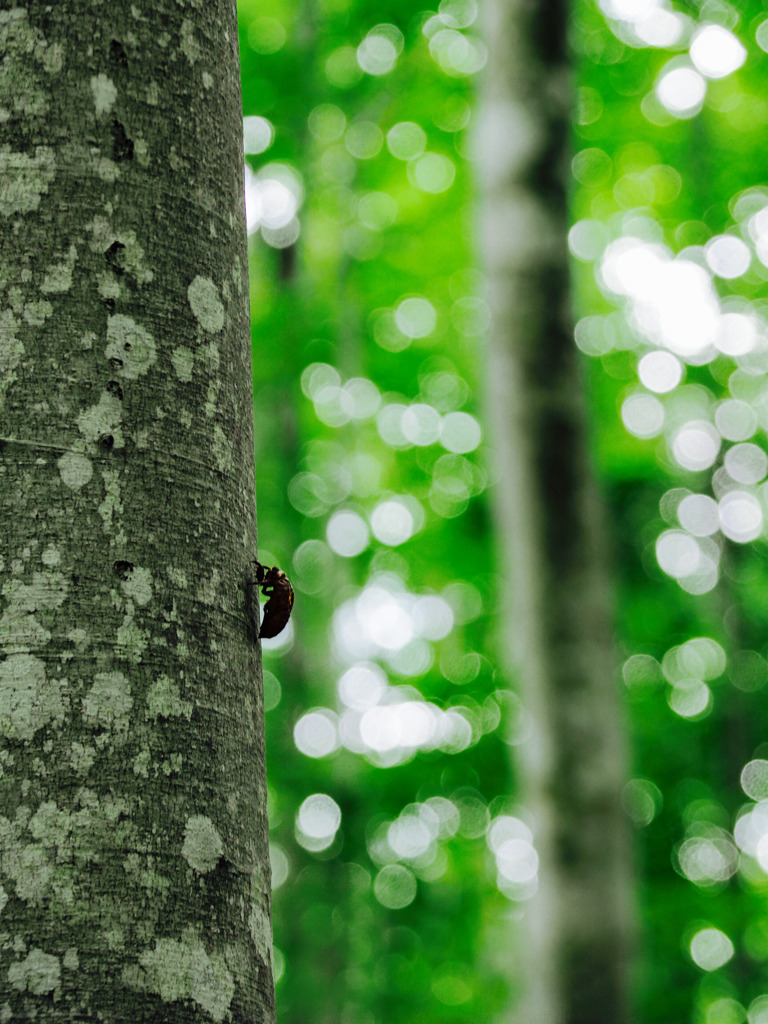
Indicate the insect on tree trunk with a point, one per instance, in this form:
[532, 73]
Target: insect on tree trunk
[134, 874]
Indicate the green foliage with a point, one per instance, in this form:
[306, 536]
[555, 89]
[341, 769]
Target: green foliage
[369, 323]
[374, 310]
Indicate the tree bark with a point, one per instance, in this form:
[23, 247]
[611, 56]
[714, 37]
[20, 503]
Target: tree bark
[134, 874]
[556, 594]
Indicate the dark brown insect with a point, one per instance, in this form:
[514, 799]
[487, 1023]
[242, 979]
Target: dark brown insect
[277, 588]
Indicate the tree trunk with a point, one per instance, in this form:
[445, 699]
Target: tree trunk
[134, 874]
[556, 599]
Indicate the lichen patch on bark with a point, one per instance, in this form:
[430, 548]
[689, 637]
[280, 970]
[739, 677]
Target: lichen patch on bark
[102, 420]
[184, 970]
[130, 345]
[75, 469]
[108, 702]
[38, 973]
[204, 300]
[29, 699]
[164, 700]
[25, 177]
[183, 361]
[104, 93]
[58, 276]
[202, 847]
[137, 585]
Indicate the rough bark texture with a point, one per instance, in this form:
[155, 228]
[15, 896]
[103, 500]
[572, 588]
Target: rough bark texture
[577, 930]
[134, 874]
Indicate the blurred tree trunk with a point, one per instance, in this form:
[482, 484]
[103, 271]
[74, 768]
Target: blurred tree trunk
[576, 937]
[134, 874]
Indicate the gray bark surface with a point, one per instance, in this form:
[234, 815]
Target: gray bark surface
[575, 941]
[134, 873]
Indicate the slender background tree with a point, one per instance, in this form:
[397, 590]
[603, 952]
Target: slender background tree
[574, 950]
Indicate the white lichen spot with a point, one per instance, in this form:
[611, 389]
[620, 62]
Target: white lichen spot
[132, 640]
[222, 450]
[137, 586]
[75, 470]
[189, 45]
[36, 313]
[208, 591]
[177, 577]
[132, 345]
[184, 970]
[58, 276]
[155, 882]
[108, 702]
[173, 765]
[39, 973]
[104, 93]
[111, 504]
[50, 825]
[28, 57]
[28, 700]
[104, 168]
[47, 590]
[134, 259]
[260, 927]
[141, 151]
[211, 356]
[20, 45]
[11, 350]
[53, 58]
[114, 938]
[108, 286]
[51, 556]
[20, 631]
[141, 763]
[25, 178]
[203, 296]
[70, 959]
[102, 232]
[183, 360]
[103, 420]
[81, 758]
[78, 636]
[31, 870]
[27, 864]
[207, 80]
[164, 700]
[131, 253]
[211, 404]
[202, 847]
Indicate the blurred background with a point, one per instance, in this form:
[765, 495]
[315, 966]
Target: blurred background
[508, 269]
